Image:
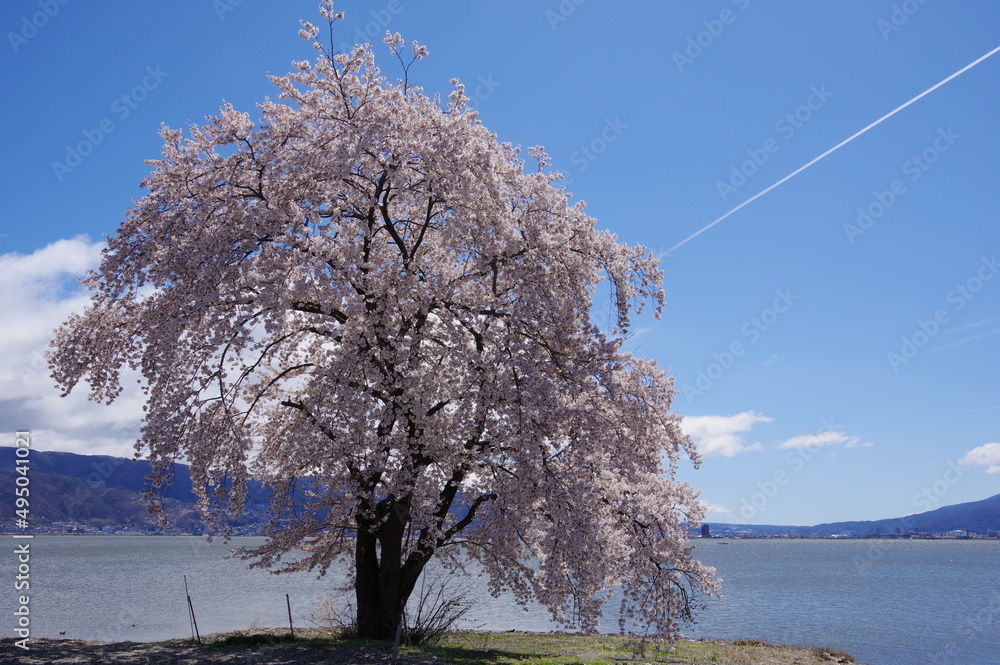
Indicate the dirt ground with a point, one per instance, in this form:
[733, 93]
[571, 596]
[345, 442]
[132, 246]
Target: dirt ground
[478, 649]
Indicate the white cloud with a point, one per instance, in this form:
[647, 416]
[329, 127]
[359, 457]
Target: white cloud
[711, 508]
[60, 259]
[34, 299]
[819, 440]
[721, 435]
[987, 455]
[38, 294]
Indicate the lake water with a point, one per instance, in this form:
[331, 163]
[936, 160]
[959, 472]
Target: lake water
[886, 602]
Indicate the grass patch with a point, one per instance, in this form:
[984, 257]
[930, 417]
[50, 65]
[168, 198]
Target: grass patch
[839, 656]
[752, 643]
[479, 648]
[516, 648]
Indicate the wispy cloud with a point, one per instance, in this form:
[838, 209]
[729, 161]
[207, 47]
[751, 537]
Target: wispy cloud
[962, 413]
[820, 440]
[721, 436]
[970, 326]
[968, 339]
[711, 508]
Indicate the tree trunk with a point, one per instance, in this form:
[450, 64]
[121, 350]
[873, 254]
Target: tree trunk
[384, 583]
[373, 622]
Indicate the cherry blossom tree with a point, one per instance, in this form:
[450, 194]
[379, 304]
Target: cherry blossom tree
[367, 302]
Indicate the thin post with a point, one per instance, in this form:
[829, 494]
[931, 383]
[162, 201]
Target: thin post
[188, 596]
[395, 644]
[291, 628]
[194, 621]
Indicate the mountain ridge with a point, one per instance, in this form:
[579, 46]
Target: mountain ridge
[105, 491]
[70, 491]
[974, 517]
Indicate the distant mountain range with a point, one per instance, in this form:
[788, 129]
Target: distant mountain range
[69, 491]
[976, 517]
[98, 491]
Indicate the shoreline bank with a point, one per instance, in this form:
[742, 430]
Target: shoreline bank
[313, 647]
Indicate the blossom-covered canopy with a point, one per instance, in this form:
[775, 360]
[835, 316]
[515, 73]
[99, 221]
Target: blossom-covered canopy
[367, 302]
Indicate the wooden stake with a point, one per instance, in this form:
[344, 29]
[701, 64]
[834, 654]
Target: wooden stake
[291, 628]
[395, 644]
[194, 621]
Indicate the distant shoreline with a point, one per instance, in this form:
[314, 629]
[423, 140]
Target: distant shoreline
[720, 539]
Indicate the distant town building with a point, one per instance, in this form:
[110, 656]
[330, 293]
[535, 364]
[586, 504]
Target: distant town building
[706, 532]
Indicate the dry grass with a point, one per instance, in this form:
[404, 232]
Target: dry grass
[315, 647]
[477, 648]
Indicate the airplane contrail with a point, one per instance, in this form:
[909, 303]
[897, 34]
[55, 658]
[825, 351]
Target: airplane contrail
[962, 413]
[836, 147]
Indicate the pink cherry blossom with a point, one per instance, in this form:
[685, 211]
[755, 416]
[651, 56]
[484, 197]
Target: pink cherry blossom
[367, 302]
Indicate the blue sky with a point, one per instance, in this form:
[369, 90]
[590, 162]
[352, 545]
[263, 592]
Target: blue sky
[835, 341]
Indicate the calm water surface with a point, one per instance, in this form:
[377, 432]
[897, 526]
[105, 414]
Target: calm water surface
[886, 602]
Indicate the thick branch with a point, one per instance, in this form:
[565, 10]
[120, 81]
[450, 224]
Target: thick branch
[313, 308]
